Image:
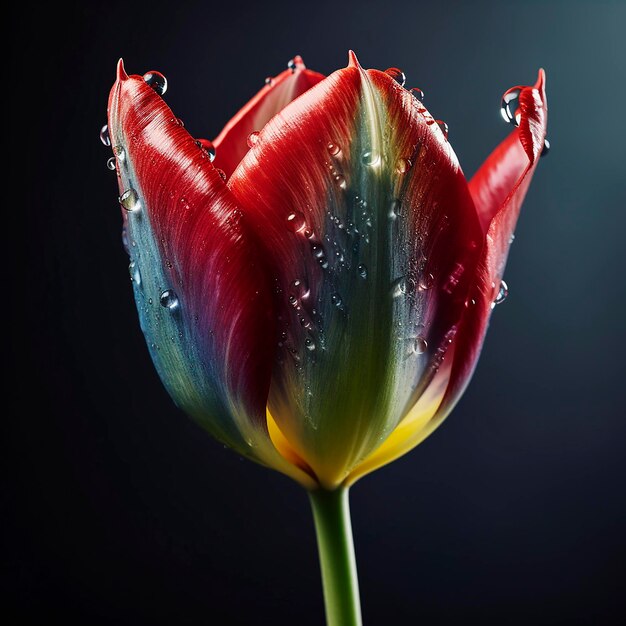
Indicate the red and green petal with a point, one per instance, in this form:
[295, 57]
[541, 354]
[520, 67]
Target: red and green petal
[373, 241]
[231, 144]
[201, 291]
[498, 189]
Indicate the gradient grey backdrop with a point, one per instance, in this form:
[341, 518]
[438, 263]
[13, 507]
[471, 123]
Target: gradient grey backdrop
[121, 511]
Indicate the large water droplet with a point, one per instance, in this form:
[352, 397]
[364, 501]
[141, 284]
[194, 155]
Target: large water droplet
[252, 138]
[169, 299]
[426, 282]
[120, 153]
[418, 345]
[546, 148]
[503, 292]
[129, 200]
[509, 107]
[336, 300]
[111, 163]
[394, 209]
[135, 275]
[444, 128]
[296, 222]
[371, 158]
[157, 81]
[333, 149]
[416, 92]
[104, 136]
[397, 74]
[208, 147]
[362, 270]
[403, 166]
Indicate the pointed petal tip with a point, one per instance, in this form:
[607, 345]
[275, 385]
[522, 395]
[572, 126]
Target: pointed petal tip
[121, 72]
[352, 60]
[541, 80]
[298, 63]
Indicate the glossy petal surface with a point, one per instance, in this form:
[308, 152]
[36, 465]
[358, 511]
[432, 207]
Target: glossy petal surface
[201, 291]
[372, 239]
[231, 143]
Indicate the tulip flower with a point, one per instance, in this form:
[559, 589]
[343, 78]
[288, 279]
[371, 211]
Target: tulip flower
[315, 284]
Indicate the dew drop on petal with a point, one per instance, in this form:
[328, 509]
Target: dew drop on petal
[546, 148]
[133, 270]
[129, 200]
[111, 163]
[403, 166]
[371, 158]
[104, 136]
[419, 345]
[252, 138]
[416, 92]
[310, 344]
[397, 74]
[296, 221]
[426, 282]
[157, 81]
[509, 107]
[120, 153]
[503, 292]
[444, 128]
[362, 270]
[336, 300]
[333, 149]
[168, 299]
[269, 81]
[208, 147]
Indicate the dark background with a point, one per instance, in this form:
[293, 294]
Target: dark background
[118, 510]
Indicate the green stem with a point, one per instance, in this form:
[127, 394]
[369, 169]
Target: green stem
[331, 513]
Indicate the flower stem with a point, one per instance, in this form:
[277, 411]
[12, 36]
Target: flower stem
[331, 513]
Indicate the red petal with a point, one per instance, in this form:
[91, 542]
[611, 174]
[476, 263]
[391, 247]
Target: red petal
[231, 143]
[321, 185]
[212, 348]
[498, 189]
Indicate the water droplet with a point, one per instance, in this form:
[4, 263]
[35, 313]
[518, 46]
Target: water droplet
[503, 292]
[398, 288]
[362, 270]
[509, 107]
[222, 173]
[208, 147]
[333, 149]
[269, 81]
[336, 300]
[129, 200]
[157, 81]
[291, 65]
[426, 282]
[296, 222]
[394, 209]
[104, 136]
[416, 92]
[299, 289]
[135, 276]
[111, 163]
[397, 74]
[310, 344]
[341, 181]
[546, 148]
[403, 166]
[169, 299]
[419, 345]
[371, 158]
[120, 153]
[125, 239]
[252, 138]
[444, 128]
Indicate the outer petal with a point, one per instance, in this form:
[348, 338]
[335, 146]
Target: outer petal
[373, 236]
[231, 143]
[201, 292]
[498, 189]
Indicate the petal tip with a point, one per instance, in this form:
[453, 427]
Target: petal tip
[352, 60]
[298, 63]
[121, 72]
